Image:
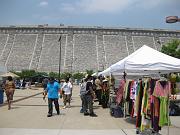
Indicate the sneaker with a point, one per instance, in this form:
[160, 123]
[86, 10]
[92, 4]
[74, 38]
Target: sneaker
[49, 115]
[81, 111]
[64, 107]
[9, 107]
[93, 115]
[86, 114]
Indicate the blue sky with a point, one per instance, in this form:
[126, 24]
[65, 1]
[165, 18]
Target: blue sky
[110, 13]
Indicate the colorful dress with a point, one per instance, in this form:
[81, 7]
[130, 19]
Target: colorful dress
[163, 91]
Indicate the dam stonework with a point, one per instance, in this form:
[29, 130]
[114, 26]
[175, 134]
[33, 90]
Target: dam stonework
[82, 48]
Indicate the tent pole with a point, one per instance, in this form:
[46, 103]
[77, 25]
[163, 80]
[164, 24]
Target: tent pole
[168, 117]
[124, 77]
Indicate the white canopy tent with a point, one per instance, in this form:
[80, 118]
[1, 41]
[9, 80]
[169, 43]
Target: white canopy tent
[146, 61]
[114, 69]
[106, 72]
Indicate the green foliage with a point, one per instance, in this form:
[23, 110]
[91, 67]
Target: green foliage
[54, 74]
[25, 73]
[29, 73]
[42, 73]
[66, 75]
[17, 73]
[172, 48]
[89, 72]
[78, 75]
[178, 79]
[62, 76]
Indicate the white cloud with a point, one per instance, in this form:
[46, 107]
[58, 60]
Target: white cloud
[110, 6]
[43, 3]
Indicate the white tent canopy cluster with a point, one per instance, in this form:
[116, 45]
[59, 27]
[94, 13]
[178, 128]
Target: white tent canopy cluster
[144, 61]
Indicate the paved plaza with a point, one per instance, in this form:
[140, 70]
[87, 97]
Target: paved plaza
[29, 110]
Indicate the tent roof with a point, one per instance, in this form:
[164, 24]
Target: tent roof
[147, 61]
[106, 72]
[10, 74]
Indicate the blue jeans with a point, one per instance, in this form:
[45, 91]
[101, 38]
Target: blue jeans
[84, 104]
[89, 103]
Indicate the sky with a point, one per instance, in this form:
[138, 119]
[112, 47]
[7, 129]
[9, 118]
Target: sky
[146, 14]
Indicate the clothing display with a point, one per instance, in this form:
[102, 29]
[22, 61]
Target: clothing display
[120, 92]
[147, 100]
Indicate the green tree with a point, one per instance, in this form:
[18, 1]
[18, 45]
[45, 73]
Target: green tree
[54, 74]
[66, 75]
[172, 48]
[26, 73]
[89, 72]
[42, 73]
[78, 75]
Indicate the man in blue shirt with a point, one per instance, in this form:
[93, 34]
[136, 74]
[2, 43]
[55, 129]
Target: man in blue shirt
[52, 90]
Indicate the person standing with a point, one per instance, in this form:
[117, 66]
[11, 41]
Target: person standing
[82, 95]
[98, 89]
[45, 82]
[66, 88]
[9, 90]
[53, 88]
[71, 81]
[89, 97]
[105, 94]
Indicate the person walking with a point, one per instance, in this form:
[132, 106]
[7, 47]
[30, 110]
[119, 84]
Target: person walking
[53, 88]
[66, 88]
[9, 90]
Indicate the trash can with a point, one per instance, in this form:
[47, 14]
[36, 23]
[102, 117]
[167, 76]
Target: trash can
[1, 96]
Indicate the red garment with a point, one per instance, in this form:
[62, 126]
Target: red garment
[162, 91]
[120, 92]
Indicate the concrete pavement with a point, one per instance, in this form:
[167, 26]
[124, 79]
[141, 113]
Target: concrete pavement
[28, 117]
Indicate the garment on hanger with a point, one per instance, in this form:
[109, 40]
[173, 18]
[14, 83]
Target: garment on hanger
[120, 92]
[139, 103]
[163, 91]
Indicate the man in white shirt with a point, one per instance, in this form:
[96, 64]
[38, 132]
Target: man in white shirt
[67, 86]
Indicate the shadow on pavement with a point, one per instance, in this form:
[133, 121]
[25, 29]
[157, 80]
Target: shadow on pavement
[130, 120]
[27, 105]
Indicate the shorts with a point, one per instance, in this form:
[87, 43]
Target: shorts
[9, 95]
[66, 98]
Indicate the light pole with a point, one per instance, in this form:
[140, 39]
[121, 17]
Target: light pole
[72, 64]
[59, 57]
[172, 19]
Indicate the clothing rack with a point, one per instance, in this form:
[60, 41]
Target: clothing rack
[160, 78]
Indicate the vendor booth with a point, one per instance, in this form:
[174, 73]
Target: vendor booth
[146, 61]
[146, 97]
